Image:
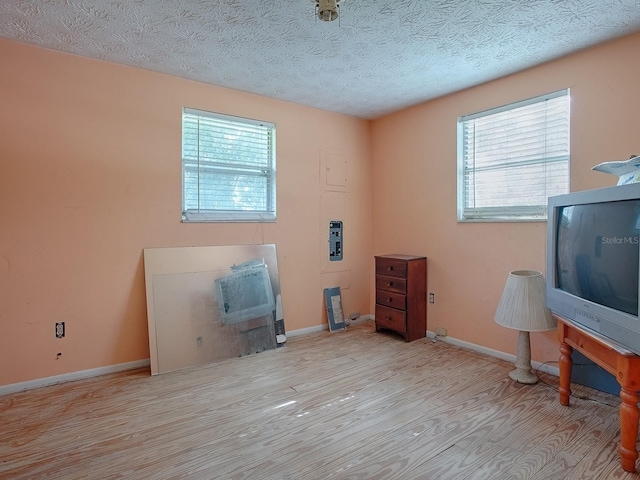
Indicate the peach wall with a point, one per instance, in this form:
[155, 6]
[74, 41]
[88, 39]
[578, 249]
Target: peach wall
[90, 172]
[414, 185]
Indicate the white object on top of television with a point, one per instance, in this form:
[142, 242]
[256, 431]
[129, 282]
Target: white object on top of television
[628, 171]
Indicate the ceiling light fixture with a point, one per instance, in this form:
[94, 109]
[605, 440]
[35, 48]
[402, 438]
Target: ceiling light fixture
[327, 10]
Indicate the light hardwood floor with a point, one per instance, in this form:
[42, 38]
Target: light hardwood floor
[352, 404]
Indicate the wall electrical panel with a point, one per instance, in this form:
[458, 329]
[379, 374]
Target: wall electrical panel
[335, 241]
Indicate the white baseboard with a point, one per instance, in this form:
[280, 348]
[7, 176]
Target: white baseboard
[94, 372]
[69, 377]
[306, 331]
[320, 328]
[450, 340]
[493, 353]
[360, 319]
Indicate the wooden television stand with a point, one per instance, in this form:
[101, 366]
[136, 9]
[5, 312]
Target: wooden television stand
[615, 359]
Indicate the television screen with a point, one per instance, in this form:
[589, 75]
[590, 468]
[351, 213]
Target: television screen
[597, 253]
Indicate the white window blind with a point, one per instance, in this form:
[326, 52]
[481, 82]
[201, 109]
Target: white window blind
[512, 158]
[228, 168]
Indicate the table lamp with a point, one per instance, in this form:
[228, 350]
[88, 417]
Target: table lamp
[523, 307]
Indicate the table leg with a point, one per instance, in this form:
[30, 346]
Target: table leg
[628, 428]
[566, 364]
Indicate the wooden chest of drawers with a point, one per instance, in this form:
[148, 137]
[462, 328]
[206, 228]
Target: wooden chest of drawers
[401, 295]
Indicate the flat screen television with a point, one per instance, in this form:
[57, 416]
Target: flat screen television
[245, 294]
[593, 261]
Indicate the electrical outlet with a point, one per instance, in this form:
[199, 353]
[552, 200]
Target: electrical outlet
[432, 298]
[59, 329]
[354, 315]
[441, 332]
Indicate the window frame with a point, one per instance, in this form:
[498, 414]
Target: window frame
[523, 213]
[205, 215]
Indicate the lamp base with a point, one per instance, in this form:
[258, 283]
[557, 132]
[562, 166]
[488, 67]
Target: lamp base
[523, 373]
[523, 376]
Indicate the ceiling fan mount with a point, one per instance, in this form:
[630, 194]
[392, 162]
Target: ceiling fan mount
[327, 10]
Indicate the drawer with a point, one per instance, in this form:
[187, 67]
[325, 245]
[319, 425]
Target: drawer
[390, 299]
[391, 267]
[391, 318]
[391, 284]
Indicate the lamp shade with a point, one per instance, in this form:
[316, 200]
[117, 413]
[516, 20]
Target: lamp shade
[523, 303]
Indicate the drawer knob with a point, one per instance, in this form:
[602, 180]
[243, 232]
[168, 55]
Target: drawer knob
[389, 300]
[389, 284]
[389, 318]
[389, 269]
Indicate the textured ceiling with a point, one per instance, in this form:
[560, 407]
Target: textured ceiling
[381, 56]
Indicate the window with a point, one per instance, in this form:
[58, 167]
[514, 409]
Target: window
[512, 158]
[228, 168]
